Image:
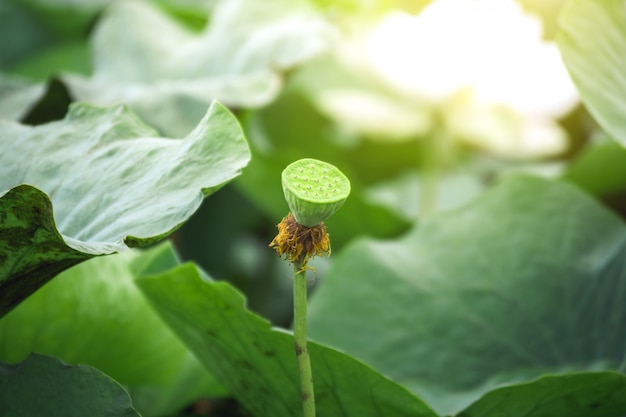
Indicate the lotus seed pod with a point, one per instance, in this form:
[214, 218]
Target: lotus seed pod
[314, 190]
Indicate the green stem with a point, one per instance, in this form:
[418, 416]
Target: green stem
[299, 335]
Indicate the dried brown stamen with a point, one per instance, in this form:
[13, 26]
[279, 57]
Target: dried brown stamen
[299, 243]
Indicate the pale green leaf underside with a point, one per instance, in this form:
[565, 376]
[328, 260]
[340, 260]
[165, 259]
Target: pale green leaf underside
[45, 386]
[100, 181]
[17, 96]
[94, 314]
[528, 279]
[168, 74]
[258, 364]
[592, 40]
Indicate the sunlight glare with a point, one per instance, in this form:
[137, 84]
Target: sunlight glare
[488, 46]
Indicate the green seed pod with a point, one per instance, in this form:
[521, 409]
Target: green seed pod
[314, 190]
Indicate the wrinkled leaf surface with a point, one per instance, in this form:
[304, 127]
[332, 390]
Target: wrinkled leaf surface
[98, 182]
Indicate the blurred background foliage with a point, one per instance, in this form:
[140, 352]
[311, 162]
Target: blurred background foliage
[349, 102]
[383, 89]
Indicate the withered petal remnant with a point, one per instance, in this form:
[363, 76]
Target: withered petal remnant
[298, 243]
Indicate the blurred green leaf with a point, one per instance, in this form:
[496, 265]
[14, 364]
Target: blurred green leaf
[402, 194]
[94, 314]
[360, 102]
[600, 169]
[192, 383]
[169, 74]
[372, 8]
[290, 129]
[45, 386]
[79, 5]
[548, 11]
[66, 20]
[18, 96]
[592, 40]
[22, 33]
[527, 279]
[68, 56]
[592, 394]
[52, 8]
[241, 254]
[257, 364]
[359, 215]
[111, 182]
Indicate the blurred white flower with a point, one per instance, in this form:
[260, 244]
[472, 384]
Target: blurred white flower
[490, 46]
[483, 62]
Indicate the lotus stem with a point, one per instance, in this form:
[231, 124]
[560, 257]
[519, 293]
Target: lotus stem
[314, 190]
[300, 339]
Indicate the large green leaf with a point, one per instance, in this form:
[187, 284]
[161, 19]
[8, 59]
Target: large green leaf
[591, 394]
[100, 181]
[45, 386]
[94, 314]
[169, 74]
[258, 364]
[528, 279]
[593, 45]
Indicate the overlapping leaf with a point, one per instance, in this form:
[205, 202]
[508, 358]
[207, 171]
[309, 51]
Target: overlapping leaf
[590, 394]
[593, 45]
[94, 314]
[257, 364]
[45, 386]
[169, 74]
[100, 181]
[527, 280]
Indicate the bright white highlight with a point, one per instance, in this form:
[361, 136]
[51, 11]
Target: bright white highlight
[489, 47]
